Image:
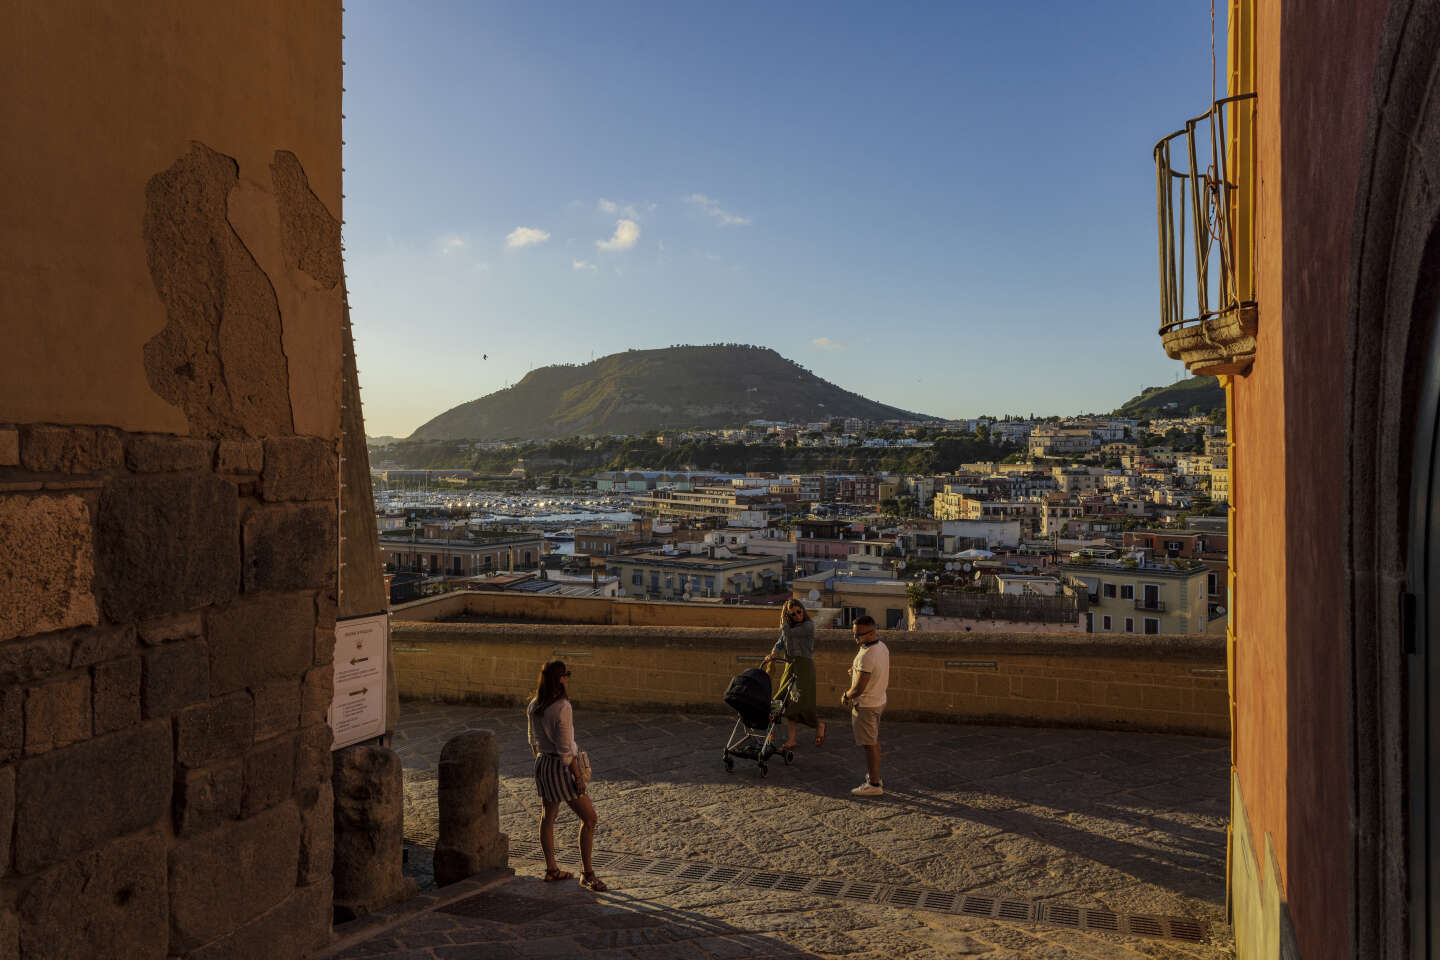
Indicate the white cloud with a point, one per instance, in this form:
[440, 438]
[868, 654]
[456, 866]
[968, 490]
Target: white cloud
[525, 237]
[451, 242]
[610, 206]
[581, 265]
[825, 343]
[627, 233]
[712, 207]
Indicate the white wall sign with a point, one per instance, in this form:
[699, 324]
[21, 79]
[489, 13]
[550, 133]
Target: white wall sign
[357, 710]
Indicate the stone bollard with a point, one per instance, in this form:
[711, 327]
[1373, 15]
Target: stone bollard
[469, 793]
[369, 831]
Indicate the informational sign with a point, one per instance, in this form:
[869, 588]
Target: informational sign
[357, 710]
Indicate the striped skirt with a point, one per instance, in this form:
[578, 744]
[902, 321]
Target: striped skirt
[554, 780]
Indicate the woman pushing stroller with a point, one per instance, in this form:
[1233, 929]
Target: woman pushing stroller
[797, 644]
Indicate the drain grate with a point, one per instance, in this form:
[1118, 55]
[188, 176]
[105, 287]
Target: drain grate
[864, 891]
[905, 897]
[859, 890]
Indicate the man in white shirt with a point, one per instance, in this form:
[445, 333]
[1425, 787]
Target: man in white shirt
[869, 676]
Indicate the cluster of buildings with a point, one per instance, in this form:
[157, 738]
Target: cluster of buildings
[1104, 539]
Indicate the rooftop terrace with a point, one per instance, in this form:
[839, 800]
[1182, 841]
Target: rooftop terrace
[1077, 828]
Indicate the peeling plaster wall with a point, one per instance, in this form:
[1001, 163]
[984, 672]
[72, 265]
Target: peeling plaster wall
[170, 430]
[101, 97]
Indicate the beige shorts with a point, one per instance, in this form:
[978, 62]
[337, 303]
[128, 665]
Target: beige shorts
[865, 722]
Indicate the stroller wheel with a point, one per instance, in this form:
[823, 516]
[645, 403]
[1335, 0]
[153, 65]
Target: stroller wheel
[764, 769]
[789, 756]
[729, 764]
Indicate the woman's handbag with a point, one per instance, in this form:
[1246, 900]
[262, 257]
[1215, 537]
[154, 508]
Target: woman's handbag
[582, 760]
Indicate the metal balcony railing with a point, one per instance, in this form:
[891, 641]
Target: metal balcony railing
[1207, 319]
[1143, 604]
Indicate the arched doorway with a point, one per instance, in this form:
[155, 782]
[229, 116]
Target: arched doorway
[1393, 483]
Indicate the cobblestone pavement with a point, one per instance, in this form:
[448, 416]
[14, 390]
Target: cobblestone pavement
[1129, 823]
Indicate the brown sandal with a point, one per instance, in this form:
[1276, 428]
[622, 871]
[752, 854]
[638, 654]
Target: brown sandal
[591, 882]
[557, 874]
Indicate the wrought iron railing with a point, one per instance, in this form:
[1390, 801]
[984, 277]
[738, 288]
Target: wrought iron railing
[1200, 196]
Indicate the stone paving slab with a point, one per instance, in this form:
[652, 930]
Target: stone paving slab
[1125, 822]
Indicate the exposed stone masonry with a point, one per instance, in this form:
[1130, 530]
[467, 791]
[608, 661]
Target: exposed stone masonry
[164, 759]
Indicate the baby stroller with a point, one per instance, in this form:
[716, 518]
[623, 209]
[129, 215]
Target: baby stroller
[754, 735]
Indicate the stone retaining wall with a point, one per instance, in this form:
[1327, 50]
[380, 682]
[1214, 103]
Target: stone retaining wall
[1158, 684]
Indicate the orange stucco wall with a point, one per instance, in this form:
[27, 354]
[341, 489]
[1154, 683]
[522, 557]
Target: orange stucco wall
[1258, 492]
[1314, 69]
[99, 97]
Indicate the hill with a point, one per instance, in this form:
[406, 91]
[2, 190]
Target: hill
[1176, 399]
[674, 388]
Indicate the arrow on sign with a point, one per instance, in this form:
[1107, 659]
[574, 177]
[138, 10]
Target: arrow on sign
[358, 660]
[360, 692]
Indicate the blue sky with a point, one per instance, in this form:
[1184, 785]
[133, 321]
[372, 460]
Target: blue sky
[948, 207]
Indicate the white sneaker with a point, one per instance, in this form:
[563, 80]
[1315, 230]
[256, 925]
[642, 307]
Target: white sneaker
[868, 789]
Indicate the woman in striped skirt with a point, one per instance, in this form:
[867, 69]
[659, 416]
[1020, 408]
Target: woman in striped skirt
[557, 770]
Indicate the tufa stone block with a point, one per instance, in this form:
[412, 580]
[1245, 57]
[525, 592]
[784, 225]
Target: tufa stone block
[161, 454]
[314, 761]
[7, 816]
[27, 661]
[9, 933]
[277, 708]
[469, 800]
[175, 676]
[208, 796]
[369, 827]
[73, 799]
[317, 835]
[259, 639]
[48, 565]
[99, 644]
[295, 929]
[46, 449]
[57, 714]
[9, 447]
[108, 903]
[116, 695]
[221, 880]
[167, 544]
[290, 547]
[239, 457]
[300, 468]
[269, 775]
[181, 626]
[12, 722]
[317, 693]
[214, 730]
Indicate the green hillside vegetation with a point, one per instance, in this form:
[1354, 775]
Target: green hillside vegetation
[579, 456]
[1197, 393]
[677, 388]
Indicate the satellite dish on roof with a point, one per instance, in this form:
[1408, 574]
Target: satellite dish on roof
[814, 595]
[687, 594]
[949, 565]
[968, 568]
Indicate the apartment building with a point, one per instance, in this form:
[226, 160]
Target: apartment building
[856, 595]
[1128, 597]
[1220, 484]
[1052, 441]
[461, 556]
[728, 503]
[670, 575]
